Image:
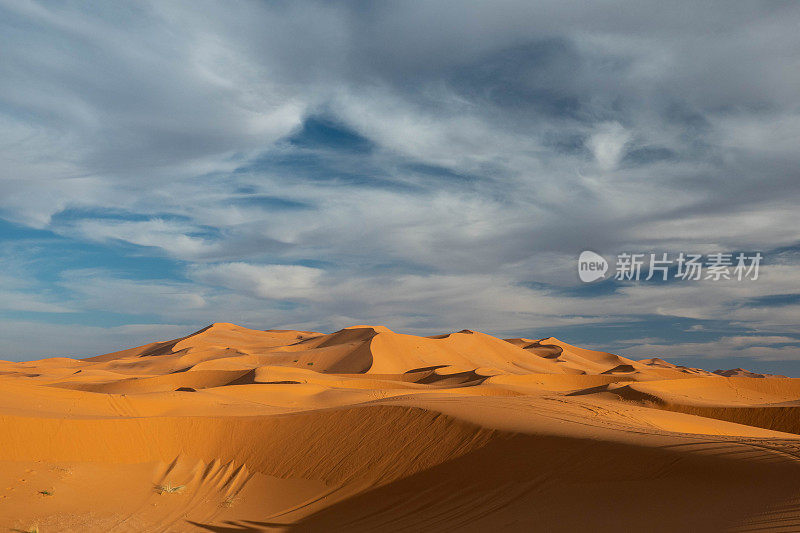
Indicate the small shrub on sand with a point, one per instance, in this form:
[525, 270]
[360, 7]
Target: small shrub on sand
[169, 488]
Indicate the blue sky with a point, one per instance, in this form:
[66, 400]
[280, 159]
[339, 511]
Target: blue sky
[428, 166]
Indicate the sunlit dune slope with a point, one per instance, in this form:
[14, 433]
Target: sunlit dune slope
[364, 429]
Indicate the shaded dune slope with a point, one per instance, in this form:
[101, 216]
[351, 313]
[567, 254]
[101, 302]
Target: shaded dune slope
[365, 429]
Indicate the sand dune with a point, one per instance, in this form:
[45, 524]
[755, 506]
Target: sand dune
[741, 372]
[364, 429]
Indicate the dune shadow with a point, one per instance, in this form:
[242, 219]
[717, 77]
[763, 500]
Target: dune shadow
[545, 351]
[243, 526]
[536, 483]
[425, 369]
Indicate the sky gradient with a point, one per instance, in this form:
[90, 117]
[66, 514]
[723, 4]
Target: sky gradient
[427, 166]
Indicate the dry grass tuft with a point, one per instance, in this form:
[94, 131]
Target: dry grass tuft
[169, 488]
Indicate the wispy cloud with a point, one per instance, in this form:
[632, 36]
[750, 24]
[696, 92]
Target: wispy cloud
[263, 281]
[767, 348]
[429, 166]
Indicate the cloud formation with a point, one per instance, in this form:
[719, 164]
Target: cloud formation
[428, 165]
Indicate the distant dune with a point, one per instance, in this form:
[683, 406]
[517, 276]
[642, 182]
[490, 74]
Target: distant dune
[238, 430]
[744, 373]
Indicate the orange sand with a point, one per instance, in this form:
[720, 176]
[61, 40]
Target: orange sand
[239, 430]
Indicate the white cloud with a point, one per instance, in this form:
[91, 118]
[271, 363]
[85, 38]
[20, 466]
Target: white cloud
[504, 140]
[24, 340]
[608, 144]
[97, 290]
[21, 301]
[169, 236]
[262, 281]
[753, 347]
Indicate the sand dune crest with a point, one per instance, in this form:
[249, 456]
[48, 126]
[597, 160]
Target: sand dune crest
[364, 429]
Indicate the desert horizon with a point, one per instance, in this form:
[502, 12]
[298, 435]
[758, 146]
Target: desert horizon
[399, 266]
[520, 341]
[235, 429]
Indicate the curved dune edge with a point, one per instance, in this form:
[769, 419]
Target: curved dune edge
[762, 403]
[406, 467]
[777, 418]
[365, 429]
[316, 445]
